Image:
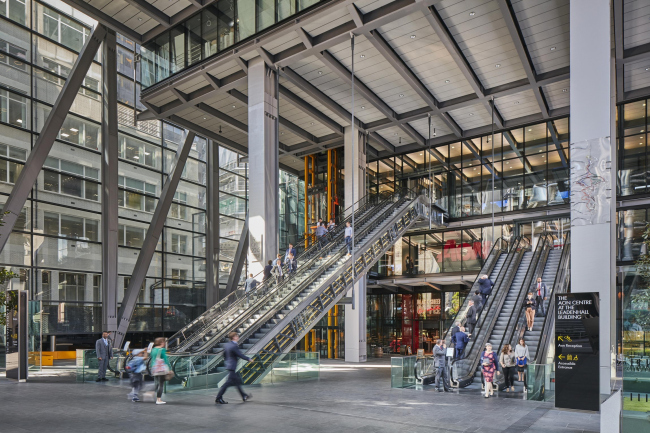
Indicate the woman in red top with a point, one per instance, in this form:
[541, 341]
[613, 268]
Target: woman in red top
[488, 368]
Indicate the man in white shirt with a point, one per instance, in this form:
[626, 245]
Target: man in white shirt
[348, 237]
[541, 292]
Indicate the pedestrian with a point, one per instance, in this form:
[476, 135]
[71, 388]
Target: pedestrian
[251, 284]
[521, 359]
[542, 295]
[161, 369]
[461, 341]
[454, 330]
[320, 223]
[489, 366]
[268, 269]
[291, 250]
[136, 367]
[291, 263]
[277, 269]
[321, 235]
[231, 354]
[409, 265]
[530, 305]
[440, 363]
[478, 300]
[348, 237]
[331, 225]
[507, 362]
[470, 318]
[104, 351]
[485, 288]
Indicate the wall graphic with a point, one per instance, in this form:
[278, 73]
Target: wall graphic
[591, 189]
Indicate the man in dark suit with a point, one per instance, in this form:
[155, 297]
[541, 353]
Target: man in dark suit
[478, 300]
[453, 332]
[104, 351]
[291, 250]
[440, 359]
[485, 288]
[232, 354]
[541, 293]
[471, 317]
[461, 341]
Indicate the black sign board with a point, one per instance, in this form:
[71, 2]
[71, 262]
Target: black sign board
[577, 384]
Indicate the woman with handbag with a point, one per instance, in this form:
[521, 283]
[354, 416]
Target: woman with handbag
[488, 368]
[507, 362]
[160, 369]
[521, 356]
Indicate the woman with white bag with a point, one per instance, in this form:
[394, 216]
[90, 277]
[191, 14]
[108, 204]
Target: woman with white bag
[160, 369]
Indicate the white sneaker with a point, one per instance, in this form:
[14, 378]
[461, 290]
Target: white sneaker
[161, 402]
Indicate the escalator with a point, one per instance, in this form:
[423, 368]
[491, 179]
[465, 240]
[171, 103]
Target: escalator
[499, 305]
[276, 317]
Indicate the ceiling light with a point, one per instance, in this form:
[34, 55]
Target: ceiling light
[76, 130]
[452, 147]
[320, 72]
[516, 102]
[471, 114]
[474, 168]
[540, 151]
[205, 118]
[282, 133]
[63, 134]
[507, 162]
[564, 90]
[498, 65]
[395, 133]
[363, 107]
[471, 14]
[647, 69]
[401, 95]
[19, 120]
[311, 123]
[139, 19]
[234, 106]
[412, 36]
[470, 163]
[363, 56]
[421, 153]
[446, 81]
[552, 48]
[530, 129]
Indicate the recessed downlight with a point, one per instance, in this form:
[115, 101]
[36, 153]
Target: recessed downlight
[447, 81]
[234, 106]
[401, 95]
[471, 114]
[363, 107]
[471, 14]
[564, 90]
[412, 36]
[552, 48]
[363, 56]
[498, 65]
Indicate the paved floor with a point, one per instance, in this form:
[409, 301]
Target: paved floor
[347, 398]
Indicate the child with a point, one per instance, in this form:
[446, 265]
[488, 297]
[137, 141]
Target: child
[135, 367]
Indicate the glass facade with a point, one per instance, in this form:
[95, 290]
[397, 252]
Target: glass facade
[215, 29]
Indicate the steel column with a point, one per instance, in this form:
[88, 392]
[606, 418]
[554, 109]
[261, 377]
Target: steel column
[109, 183]
[212, 227]
[151, 239]
[48, 134]
[238, 261]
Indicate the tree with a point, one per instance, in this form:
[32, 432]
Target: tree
[641, 296]
[8, 299]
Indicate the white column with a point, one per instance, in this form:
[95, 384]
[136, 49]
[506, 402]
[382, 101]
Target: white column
[263, 173]
[355, 320]
[593, 206]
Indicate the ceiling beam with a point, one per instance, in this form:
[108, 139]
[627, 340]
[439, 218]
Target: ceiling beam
[230, 121]
[302, 105]
[558, 146]
[151, 11]
[517, 37]
[513, 145]
[484, 161]
[105, 19]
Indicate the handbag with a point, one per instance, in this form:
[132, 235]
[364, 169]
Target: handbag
[522, 362]
[160, 367]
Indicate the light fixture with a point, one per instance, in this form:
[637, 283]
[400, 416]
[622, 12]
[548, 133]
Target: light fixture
[234, 106]
[421, 153]
[363, 56]
[205, 118]
[552, 48]
[647, 69]
[147, 153]
[471, 14]
[452, 147]
[139, 19]
[640, 144]
[136, 157]
[470, 163]
[644, 105]
[412, 36]
[446, 81]
[516, 102]
[474, 168]
[641, 130]
[63, 134]
[498, 65]
[540, 151]
[564, 90]
[282, 133]
[401, 95]
[530, 129]
[311, 123]
[395, 133]
[507, 162]
[19, 120]
[76, 130]
[471, 114]
[219, 129]
[363, 107]
[320, 72]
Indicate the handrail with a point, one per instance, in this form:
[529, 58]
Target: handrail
[533, 271]
[488, 266]
[225, 306]
[560, 285]
[495, 302]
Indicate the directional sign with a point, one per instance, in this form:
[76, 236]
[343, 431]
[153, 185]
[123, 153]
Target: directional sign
[576, 351]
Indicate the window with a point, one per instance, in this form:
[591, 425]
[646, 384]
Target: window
[136, 194]
[179, 243]
[14, 10]
[72, 179]
[141, 298]
[97, 288]
[130, 236]
[13, 109]
[179, 211]
[72, 287]
[69, 226]
[179, 275]
[9, 170]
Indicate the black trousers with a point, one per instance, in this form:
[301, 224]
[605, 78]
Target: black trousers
[234, 379]
[470, 327]
[540, 306]
[508, 376]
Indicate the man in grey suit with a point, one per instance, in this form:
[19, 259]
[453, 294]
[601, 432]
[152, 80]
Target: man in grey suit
[104, 350]
[541, 293]
[440, 359]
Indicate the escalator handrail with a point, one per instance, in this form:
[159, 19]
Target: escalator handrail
[531, 274]
[230, 300]
[560, 285]
[506, 274]
[500, 246]
[313, 275]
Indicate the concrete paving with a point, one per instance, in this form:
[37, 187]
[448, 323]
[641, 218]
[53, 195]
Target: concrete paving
[347, 398]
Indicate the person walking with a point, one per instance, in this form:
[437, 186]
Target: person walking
[348, 237]
[291, 250]
[268, 270]
[507, 362]
[530, 304]
[471, 319]
[521, 359]
[232, 354]
[251, 284]
[161, 367]
[461, 341]
[541, 293]
[104, 351]
[488, 368]
[440, 362]
[485, 288]
[136, 367]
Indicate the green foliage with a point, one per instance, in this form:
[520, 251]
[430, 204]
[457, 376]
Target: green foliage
[641, 296]
[8, 300]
